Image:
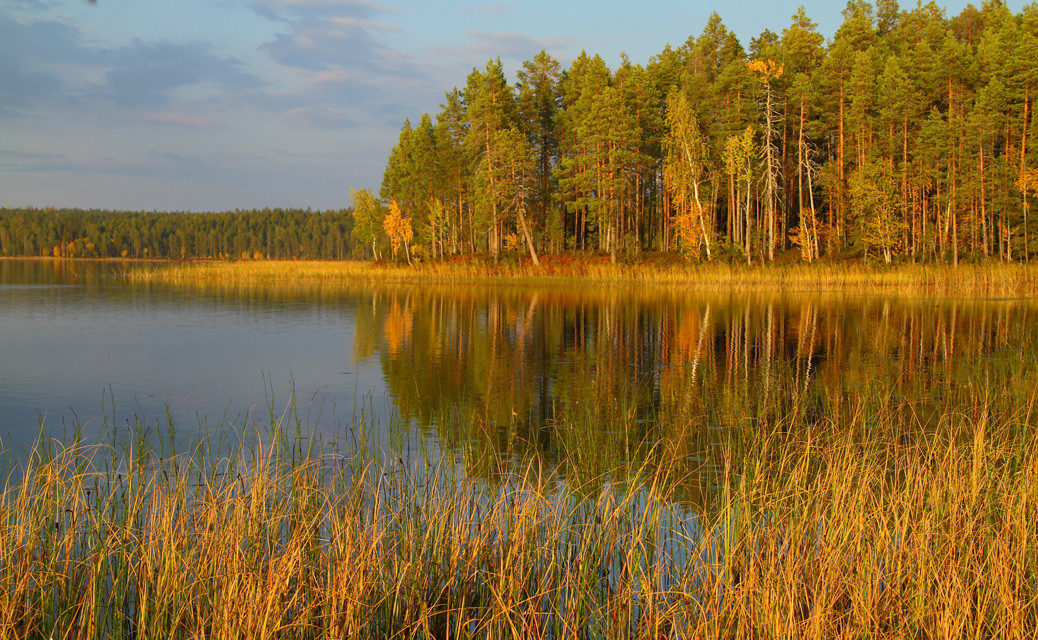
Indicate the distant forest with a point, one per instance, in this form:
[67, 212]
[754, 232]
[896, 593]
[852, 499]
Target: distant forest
[906, 137]
[250, 235]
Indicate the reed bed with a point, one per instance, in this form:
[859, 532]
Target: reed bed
[985, 279]
[814, 530]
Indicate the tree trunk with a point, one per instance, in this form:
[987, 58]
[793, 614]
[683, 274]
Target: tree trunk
[769, 153]
[805, 240]
[1023, 166]
[529, 239]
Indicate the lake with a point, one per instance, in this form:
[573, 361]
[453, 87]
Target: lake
[593, 376]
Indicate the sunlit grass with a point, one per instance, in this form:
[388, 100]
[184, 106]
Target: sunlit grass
[867, 527]
[994, 278]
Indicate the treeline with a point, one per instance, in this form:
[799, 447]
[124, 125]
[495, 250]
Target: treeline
[253, 234]
[905, 137]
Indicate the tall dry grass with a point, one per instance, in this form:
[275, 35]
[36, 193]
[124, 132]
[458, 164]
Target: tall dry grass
[869, 528]
[985, 279]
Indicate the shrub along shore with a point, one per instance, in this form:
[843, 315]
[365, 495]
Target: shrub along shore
[869, 526]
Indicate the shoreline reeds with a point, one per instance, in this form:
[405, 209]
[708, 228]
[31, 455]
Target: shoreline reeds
[988, 278]
[816, 530]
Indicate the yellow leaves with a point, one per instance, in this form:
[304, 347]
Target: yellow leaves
[684, 169]
[765, 70]
[1028, 182]
[512, 241]
[738, 151]
[77, 248]
[397, 227]
[689, 231]
[800, 236]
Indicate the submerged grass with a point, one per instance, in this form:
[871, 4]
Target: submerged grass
[815, 530]
[987, 279]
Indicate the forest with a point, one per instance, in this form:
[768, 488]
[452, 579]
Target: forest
[906, 137]
[240, 235]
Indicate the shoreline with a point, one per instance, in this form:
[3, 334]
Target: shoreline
[1015, 279]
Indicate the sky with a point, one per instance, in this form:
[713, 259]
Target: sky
[215, 105]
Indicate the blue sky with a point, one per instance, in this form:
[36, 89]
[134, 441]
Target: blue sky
[211, 105]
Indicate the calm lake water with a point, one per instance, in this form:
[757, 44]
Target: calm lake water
[594, 373]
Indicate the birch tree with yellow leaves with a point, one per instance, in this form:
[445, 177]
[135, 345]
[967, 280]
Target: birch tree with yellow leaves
[398, 228]
[685, 169]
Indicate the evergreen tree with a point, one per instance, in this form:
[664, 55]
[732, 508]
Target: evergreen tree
[490, 108]
[539, 103]
[451, 133]
[802, 54]
[586, 80]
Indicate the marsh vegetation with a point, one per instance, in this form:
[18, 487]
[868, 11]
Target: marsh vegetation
[870, 525]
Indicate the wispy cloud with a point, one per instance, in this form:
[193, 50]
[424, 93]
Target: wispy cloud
[29, 49]
[149, 75]
[47, 62]
[504, 44]
[491, 8]
[342, 65]
[134, 120]
[180, 119]
[322, 45]
[367, 24]
[18, 160]
[287, 10]
[152, 164]
[323, 117]
[32, 5]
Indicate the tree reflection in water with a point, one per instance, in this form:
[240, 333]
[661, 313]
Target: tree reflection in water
[592, 382]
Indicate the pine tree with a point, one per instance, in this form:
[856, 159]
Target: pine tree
[539, 103]
[935, 111]
[586, 80]
[518, 181]
[451, 132]
[611, 134]
[802, 55]
[490, 108]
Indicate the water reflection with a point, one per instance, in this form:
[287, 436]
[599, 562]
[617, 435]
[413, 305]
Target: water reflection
[587, 381]
[594, 380]
[81, 345]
